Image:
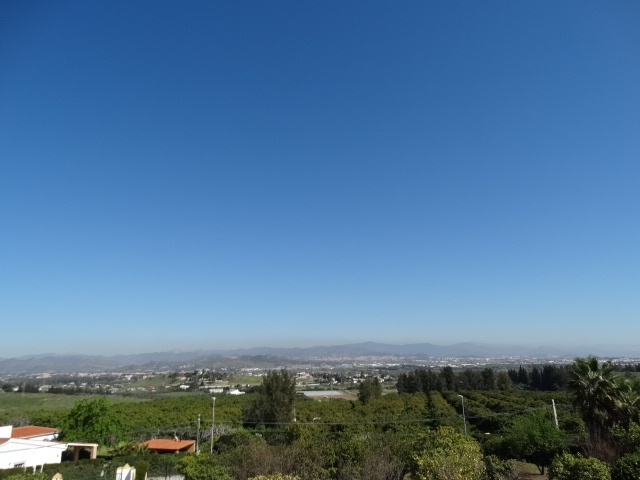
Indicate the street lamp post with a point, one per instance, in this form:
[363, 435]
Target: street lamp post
[464, 418]
[213, 419]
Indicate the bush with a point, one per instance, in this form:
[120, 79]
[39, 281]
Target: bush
[202, 467]
[576, 467]
[236, 439]
[278, 476]
[27, 476]
[448, 455]
[142, 468]
[627, 468]
[9, 472]
[497, 469]
[535, 438]
[70, 471]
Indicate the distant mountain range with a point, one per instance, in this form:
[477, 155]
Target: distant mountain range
[268, 357]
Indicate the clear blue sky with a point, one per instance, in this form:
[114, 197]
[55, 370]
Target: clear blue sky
[183, 175]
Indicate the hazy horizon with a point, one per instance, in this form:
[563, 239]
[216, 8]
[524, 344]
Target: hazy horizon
[606, 350]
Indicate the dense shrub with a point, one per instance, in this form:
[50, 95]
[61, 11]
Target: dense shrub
[84, 469]
[535, 438]
[142, 468]
[627, 468]
[445, 454]
[278, 476]
[497, 469]
[21, 474]
[576, 467]
[202, 467]
[27, 476]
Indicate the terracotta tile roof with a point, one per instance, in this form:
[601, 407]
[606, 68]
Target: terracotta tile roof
[168, 444]
[31, 431]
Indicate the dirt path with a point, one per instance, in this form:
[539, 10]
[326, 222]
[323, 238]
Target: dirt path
[527, 471]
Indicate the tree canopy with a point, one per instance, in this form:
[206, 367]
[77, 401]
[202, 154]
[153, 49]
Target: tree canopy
[274, 402]
[368, 389]
[202, 467]
[445, 454]
[596, 387]
[534, 437]
[93, 420]
[576, 467]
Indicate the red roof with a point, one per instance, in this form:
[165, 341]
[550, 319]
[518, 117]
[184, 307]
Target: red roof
[32, 431]
[169, 445]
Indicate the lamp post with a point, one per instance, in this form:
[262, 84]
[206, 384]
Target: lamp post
[213, 419]
[464, 418]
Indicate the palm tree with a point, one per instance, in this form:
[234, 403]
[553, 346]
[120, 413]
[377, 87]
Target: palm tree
[629, 400]
[597, 389]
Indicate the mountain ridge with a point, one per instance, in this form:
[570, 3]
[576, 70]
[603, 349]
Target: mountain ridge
[272, 356]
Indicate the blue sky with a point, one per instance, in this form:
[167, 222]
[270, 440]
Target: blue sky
[183, 175]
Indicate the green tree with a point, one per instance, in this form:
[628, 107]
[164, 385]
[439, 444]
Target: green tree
[596, 389]
[535, 379]
[576, 467]
[628, 437]
[419, 380]
[470, 380]
[447, 378]
[369, 389]
[488, 379]
[534, 438]
[497, 469]
[274, 402]
[142, 468]
[503, 381]
[523, 376]
[627, 467]
[445, 454]
[93, 420]
[553, 378]
[628, 398]
[202, 467]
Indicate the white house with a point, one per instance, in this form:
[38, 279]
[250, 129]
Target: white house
[31, 446]
[19, 452]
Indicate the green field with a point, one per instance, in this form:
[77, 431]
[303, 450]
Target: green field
[19, 404]
[244, 380]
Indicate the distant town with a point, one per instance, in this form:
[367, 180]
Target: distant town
[236, 374]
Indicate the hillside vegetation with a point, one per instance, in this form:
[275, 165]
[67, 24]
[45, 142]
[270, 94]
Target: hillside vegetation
[418, 430]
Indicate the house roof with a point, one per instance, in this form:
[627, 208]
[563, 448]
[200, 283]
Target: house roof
[167, 444]
[13, 444]
[32, 431]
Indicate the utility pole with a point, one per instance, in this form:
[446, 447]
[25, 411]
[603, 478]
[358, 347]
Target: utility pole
[198, 436]
[555, 414]
[213, 419]
[464, 418]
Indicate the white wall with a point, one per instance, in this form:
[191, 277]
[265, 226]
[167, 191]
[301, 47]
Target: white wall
[29, 452]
